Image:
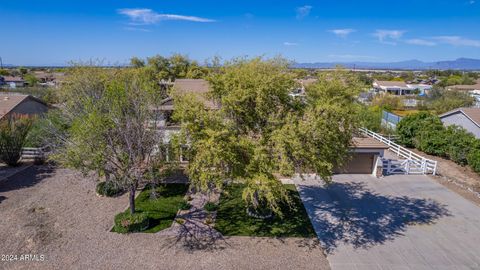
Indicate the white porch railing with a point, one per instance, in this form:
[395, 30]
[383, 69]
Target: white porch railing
[414, 163]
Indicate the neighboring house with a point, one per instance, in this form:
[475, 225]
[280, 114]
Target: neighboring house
[49, 78]
[13, 82]
[467, 88]
[468, 118]
[474, 90]
[21, 104]
[366, 151]
[392, 87]
[401, 88]
[197, 87]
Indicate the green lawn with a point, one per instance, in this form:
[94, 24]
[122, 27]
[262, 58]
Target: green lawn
[161, 211]
[232, 218]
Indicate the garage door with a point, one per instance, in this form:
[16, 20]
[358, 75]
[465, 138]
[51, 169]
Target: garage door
[361, 163]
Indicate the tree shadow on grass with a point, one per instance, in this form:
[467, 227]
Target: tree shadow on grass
[351, 213]
[27, 178]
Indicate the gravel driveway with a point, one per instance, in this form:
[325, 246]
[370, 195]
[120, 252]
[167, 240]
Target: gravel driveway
[56, 213]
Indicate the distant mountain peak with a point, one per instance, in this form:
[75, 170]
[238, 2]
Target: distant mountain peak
[413, 64]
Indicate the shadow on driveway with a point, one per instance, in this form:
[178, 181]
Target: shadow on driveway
[351, 213]
[27, 178]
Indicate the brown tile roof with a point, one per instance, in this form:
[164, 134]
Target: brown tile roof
[462, 87]
[367, 143]
[391, 83]
[13, 79]
[198, 87]
[9, 101]
[472, 113]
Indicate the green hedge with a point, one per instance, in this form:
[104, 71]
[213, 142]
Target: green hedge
[126, 222]
[426, 132]
[473, 157]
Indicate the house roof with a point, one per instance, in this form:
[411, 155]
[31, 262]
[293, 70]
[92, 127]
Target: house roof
[464, 87]
[391, 84]
[367, 143]
[8, 102]
[472, 113]
[198, 87]
[13, 79]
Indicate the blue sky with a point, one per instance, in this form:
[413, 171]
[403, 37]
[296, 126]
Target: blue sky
[56, 32]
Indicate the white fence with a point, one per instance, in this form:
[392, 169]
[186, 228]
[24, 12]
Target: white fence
[414, 163]
[34, 153]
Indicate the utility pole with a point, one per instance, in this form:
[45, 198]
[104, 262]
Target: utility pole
[1, 63]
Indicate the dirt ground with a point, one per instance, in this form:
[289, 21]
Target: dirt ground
[55, 213]
[460, 179]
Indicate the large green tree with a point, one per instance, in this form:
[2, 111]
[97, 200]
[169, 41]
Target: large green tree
[260, 130]
[110, 115]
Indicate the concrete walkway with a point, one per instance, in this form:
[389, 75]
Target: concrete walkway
[395, 222]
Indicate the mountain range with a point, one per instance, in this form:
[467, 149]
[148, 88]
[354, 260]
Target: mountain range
[458, 64]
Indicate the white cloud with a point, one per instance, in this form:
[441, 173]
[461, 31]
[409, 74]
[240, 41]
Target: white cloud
[471, 2]
[458, 41]
[303, 11]
[343, 33]
[145, 16]
[286, 43]
[421, 42]
[388, 36]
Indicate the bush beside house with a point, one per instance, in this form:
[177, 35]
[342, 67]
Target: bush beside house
[426, 132]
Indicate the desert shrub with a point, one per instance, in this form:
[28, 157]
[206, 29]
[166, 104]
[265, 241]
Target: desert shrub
[411, 125]
[126, 222]
[43, 128]
[473, 157]
[13, 134]
[109, 189]
[459, 142]
[210, 207]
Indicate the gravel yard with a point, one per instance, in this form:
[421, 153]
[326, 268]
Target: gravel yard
[56, 213]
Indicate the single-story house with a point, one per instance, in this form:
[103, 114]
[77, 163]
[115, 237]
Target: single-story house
[11, 104]
[49, 78]
[366, 153]
[13, 82]
[392, 87]
[473, 89]
[468, 118]
[400, 88]
[467, 88]
[197, 87]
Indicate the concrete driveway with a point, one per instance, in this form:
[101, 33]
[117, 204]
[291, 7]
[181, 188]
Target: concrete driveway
[395, 222]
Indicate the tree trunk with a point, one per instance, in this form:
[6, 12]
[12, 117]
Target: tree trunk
[132, 199]
[256, 200]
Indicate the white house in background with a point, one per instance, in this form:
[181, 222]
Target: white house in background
[468, 118]
[400, 88]
[12, 82]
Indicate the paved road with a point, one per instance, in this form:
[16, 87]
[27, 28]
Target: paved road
[396, 222]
